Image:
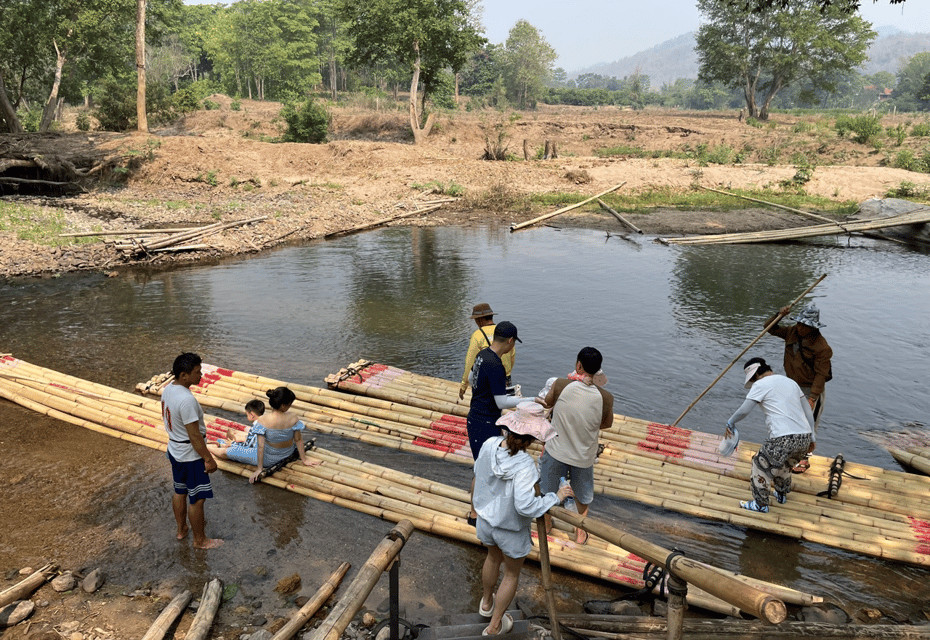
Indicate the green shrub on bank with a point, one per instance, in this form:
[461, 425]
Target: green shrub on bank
[862, 129]
[307, 123]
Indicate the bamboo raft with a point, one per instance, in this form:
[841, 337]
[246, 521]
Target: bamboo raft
[796, 233]
[880, 513]
[337, 479]
[910, 449]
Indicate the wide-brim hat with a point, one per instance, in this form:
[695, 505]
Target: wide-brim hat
[482, 310]
[528, 419]
[810, 315]
[728, 445]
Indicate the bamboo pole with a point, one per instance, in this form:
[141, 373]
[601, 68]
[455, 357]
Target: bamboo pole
[209, 604]
[546, 576]
[349, 604]
[168, 615]
[748, 347]
[300, 618]
[620, 627]
[530, 223]
[801, 212]
[23, 588]
[618, 216]
[760, 604]
[378, 223]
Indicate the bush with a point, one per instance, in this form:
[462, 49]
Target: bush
[863, 128]
[82, 121]
[236, 105]
[898, 134]
[309, 123]
[116, 104]
[909, 160]
[30, 119]
[209, 105]
[920, 130]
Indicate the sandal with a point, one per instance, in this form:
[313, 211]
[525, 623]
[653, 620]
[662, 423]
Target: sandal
[801, 467]
[751, 505]
[486, 613]
[506, 627]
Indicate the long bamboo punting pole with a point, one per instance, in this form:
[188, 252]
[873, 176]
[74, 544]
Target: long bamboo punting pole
[748, 347]
[168, 615]
[760, 604]
[349, 604]
[301, 617]
[530, 223]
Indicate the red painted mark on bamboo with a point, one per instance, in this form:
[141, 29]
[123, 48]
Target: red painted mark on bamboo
[437, 446]
[147, 423]
[921, 530]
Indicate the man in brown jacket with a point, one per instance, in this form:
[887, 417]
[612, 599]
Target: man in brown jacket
[807, 359]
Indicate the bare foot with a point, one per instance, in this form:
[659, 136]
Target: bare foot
[208, 543]
[182, 533]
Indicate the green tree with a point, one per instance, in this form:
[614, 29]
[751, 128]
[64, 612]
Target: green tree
[528, 61]
[426, 36]
[762, 53]
[910, 82]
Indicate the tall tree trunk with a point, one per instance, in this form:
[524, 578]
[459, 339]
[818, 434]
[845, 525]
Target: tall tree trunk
[332, 61]
[13, 124]
[142, 121]
[419, 133]
[48, 113]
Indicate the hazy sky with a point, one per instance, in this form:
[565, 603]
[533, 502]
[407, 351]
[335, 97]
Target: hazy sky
[586, 32]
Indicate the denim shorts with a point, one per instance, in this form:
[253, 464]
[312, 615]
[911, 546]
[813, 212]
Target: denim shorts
[582, 479]
[513, 544]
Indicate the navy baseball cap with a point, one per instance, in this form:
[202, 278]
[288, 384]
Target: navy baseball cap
[506, 329]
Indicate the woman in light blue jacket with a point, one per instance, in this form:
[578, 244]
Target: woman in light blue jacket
[506, 503]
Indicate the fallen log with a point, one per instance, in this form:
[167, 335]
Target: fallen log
[167, 617]
[209, 604]
[299, 619]
[23, 588]
[530, 223]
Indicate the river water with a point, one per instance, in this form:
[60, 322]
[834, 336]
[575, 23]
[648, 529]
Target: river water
[667, 319]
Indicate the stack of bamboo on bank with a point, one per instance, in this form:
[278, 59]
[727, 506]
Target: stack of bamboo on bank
[334, 478]
[884, 514]
[178, 241]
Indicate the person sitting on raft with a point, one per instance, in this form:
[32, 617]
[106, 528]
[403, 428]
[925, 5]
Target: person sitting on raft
[278, 432]
[241, 446]
[506, 502]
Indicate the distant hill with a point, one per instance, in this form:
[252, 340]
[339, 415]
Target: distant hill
[675, 58]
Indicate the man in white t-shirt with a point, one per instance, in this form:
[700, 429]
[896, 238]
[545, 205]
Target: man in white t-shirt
[790, 421]
[190, 459]
[580, 410]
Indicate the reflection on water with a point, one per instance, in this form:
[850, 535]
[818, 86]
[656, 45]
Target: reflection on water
[667, 319]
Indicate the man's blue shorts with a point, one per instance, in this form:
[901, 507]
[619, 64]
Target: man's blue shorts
[191, 478]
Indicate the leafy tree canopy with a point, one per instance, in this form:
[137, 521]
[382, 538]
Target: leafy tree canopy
[762, 53]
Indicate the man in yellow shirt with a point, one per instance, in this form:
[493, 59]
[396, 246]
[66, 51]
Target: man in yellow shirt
[481, 339]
